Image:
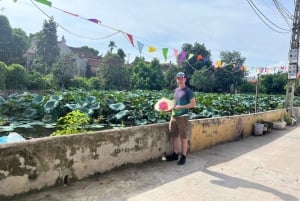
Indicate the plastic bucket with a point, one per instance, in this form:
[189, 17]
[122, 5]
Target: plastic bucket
[258, 129]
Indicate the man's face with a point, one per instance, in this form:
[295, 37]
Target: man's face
[180, 80]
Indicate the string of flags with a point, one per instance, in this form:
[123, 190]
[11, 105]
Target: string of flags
[184, 56]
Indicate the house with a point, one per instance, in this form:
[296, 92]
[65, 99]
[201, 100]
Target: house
[86, 61]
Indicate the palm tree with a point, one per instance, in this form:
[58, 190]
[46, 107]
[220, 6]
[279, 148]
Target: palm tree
[111, 45]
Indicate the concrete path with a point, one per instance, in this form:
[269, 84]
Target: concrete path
[265, 168]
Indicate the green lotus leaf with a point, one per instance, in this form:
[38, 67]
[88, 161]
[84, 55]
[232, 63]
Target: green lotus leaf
[50, 105]
[117, 106]
[38, 100]
[7, 128]
[29, 113]
[121, 114]
[56, 98]
[141, 122]
[73, 106]
[2, 100]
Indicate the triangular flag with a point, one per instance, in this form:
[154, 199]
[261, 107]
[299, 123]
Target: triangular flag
[165, 53]
[190, 56]
[151, 49]
[95, 20]
[182, 56]
[130, 37]
[176, 53]
[199, 57]
[48, 3]
[76, 15]
[140, 46]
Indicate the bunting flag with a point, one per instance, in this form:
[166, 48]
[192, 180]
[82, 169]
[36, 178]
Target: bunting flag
[76, 15]
[182, 56]
[130, 37]
[151, 49]
[140, 46]
[199, 57]
[96, 21]
[176, 53]
[45, 2]
[165, 53]
[190, 56]
[206, 59]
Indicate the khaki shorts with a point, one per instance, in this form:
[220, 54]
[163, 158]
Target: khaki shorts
[179, 126]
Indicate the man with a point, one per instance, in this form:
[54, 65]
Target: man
[179, 123]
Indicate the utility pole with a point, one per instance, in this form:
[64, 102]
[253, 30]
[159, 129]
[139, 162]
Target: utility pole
[293, 59]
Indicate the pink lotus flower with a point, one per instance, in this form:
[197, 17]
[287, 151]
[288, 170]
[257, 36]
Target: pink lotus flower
[163, 105]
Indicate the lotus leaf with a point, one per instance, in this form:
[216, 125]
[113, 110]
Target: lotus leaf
[117, 106]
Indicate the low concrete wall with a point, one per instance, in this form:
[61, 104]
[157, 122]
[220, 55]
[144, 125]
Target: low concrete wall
[45, 162]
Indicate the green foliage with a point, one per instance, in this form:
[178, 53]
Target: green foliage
[194, 64]
[247, 87]
[74, 122]
[170, 76]
[95, 83]
[63, 71]
[232, 58]
[112, 73]
[16, 77]
[3, 75]
[19, 45]
[47, 48]
[35, 81]
[5, 40]
[203, 80]
[147, 76]
[273, 84]
[79, 83]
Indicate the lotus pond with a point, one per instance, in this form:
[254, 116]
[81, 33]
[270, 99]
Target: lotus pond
[36, 114]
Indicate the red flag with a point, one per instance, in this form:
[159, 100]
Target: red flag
[130, 37]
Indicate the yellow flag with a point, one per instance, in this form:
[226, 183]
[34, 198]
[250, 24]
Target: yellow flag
[151, 49]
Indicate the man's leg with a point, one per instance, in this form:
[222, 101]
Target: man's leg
[184, 142]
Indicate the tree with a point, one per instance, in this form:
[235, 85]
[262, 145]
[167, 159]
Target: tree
[231, 75]
[201, 58]
[63, 71]
[20, 43]
[273, 83]
[156, 75]
[16, 77]
[3, 75]
[121, 54]
[170, 76]
[113, 73]
[47, 48]
[140, 75]
[203, 80]
[5, 40]
[111, 46]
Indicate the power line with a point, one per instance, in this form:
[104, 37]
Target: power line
[259, 14]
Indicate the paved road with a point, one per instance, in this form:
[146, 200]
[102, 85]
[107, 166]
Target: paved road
[257, 168]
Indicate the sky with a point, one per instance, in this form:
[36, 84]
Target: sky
[220, 25]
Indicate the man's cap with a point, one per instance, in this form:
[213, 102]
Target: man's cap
[180, 74]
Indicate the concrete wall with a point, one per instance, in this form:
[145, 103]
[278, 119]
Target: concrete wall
[45, 162]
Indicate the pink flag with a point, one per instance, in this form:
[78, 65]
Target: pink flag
[182, 56]
[72, 14]
[176, 53]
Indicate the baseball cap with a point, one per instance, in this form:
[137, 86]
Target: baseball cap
[180, 74]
